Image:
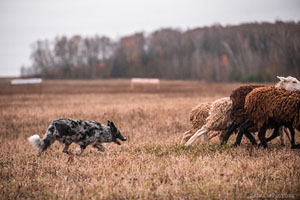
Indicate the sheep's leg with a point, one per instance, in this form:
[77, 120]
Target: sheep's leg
[281, 131]
[274, 135]
[292, 135]
[250, 137]
[262, 137]
[213, 135]
[281, 139]
[285, 130]
[186, 136]
[244, 127]
[200, 132]
[293, 145]
[230, 130]
[221, 135]
[206, 139]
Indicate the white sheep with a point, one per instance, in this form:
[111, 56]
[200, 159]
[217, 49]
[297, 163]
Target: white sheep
[198, 116]
[217, 120]
[289, 83]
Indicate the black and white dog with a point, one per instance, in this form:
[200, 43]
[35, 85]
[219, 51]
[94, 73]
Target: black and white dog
[81, 132]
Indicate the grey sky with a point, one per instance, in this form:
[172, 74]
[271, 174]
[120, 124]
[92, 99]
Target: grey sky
[22, 22]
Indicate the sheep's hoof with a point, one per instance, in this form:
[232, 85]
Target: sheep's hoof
[235, 145]
[66, 152]
[254, 143]
[295, 146]
[263, 145]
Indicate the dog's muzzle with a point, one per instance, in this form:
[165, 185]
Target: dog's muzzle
[117, 141]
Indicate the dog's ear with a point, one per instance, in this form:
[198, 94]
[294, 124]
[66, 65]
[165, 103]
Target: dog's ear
[111, 125]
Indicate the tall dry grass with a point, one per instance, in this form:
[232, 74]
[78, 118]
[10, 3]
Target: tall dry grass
[151, 164]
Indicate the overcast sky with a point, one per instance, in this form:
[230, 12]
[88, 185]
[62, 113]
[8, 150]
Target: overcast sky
[22, 22]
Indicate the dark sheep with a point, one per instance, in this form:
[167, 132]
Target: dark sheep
[270, 107]
[238, 114]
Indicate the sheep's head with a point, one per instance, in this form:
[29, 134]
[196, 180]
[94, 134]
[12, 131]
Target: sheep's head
[288, 83]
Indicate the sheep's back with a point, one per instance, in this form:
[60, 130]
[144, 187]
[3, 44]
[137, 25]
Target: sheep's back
[199, 114]
[238, 113]
[219, 114]
[266, 103]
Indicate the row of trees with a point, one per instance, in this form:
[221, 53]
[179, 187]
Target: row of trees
[248, 52]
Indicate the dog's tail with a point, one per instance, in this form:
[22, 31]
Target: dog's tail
[37, 142]
[41, 144]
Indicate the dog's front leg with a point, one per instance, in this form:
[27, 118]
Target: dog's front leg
[99, 146]
[65, 150]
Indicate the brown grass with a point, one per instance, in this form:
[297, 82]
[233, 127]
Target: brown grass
[151, 164]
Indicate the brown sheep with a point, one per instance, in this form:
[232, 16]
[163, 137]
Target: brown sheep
[270, 107]
[237, 97]
[239, 115]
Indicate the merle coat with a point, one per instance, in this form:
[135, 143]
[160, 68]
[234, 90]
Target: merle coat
[81, 132]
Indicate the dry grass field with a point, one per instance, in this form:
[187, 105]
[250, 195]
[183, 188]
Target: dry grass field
[151, 164]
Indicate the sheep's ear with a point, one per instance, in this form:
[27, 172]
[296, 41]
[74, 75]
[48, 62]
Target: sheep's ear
[281, 78]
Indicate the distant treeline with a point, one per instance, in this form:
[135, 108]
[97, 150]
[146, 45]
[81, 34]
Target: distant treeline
[247, 52]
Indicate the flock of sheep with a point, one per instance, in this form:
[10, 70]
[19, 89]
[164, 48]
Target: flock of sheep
[250, 109]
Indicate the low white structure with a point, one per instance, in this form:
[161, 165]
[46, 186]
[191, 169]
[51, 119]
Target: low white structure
[26, 81]
[153, 81]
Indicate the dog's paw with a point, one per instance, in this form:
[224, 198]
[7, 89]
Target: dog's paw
[102, 148]
[78, 150]
[99, 147]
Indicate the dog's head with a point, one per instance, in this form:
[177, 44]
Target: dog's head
[116, 135]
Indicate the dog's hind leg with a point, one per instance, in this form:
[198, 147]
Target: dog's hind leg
[80, 149]
[99, 146]
[47, 141]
